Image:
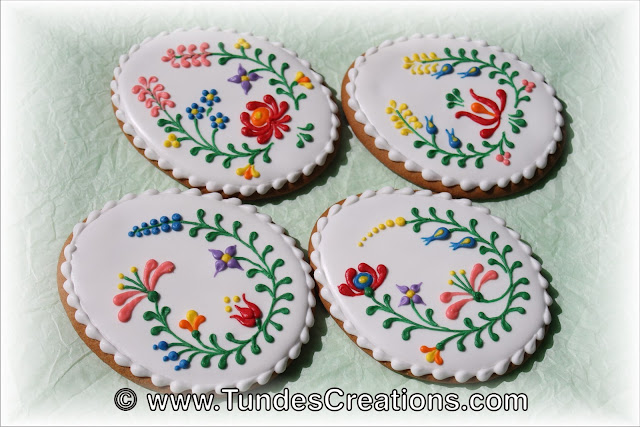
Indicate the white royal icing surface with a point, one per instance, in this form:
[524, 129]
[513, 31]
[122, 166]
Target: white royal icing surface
[185, 85]
[379, 76]
[409, 261]
[101, 248]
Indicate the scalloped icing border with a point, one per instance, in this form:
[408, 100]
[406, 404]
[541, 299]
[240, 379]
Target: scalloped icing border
[429, 174]
[212, 186]
[398, 365]
[158, 380]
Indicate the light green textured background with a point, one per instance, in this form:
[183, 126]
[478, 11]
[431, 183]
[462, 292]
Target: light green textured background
[63, 155]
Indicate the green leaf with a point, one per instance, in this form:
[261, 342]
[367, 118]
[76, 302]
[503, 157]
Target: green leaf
[258, 52]
[460, 343]
[306, 137]
[286, 281]
[447, 51]
[482, 315]
[222, 61]
[274, 82]
[518, 113]
[164, 122]
[461, 52]
[478, 341]
[446, 160]
[283, 310]
[208, 111]
[525, 98]
[431, 153]
[493, 74]
[280, 91]
[462, 162]
[520, 122]
[157, 329]
[300, 143]
[267, 337]
[170, 129]
[211, 236]
[252, 273]
[209, 158]
[514, 75]
[483, 250]
[165, 311]
[308, 127]
[432, 212]
[265, 156]
[214, 340]
[505, 325]
[473, 223]
[206, 361]
[195, 150]
[524, 295]
[288, 297]
[406, 334]
[150, 315]
[372, 309]
[388, 322]
[193, 232]
[255, 348]
[521, 281]
[493, 236]
[505, 66]
[456, 92]
[450, 105]
[386, 299]
[518, 310]
[450, 215]
[222, 363]
[470, 147]
[515, 265]
[508, 143]
[261, 287]
[278, 263]
[503, 81]
[468, 323]
[479, 163]
[493, 261]
[276, 325]
[240, 359]
[449, 97]
[515, 129]
[429, 315]
[266, 250]
[492, 334]
[271, 58]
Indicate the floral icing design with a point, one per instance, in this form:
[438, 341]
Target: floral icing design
[249, 315]
[165, 224]
[188, 56]
[156, 95]
[192, 321]
[244, 79]
[468, 288]
[303, 80]
[479, 110]
[248, 172]
[225, 259]
[139, 289]
[432, 354]
[408, 124]
[209, 97]
[365, 280]
[410, 294]
[242, 43]
[263, 324]
[194, 111]
[267, 119]
[368, 283]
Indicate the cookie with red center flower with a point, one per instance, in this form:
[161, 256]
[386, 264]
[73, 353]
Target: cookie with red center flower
[226, 112]
[432, 287]
[455, 115]
[180, 291]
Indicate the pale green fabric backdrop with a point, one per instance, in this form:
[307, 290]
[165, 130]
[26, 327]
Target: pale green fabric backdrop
[63, 155]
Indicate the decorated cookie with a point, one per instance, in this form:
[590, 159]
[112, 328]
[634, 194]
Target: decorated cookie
[429, 286]
[178, 291]
[226, 112]
[451, 114]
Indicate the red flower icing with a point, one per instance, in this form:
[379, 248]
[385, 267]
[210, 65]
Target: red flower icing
[266, 119]
[350, 289]
[248, 314]
[479, 108]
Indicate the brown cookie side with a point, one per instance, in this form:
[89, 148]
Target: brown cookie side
[437, 186]
[287, 188]
[406, 372]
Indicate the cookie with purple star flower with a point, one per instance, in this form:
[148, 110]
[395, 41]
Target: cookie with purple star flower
[180, 291]
[226, 112]
[455, 115]
[429, 286]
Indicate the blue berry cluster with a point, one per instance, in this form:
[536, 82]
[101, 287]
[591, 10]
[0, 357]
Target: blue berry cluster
[172, 355]
[155, 227]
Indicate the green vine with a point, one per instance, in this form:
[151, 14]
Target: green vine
[202, 144]
[463, 158]
[259, 266]
[304, 137]
[454, 98]
[285, 87]
[426, 322]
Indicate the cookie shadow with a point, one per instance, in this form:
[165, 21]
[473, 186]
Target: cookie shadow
[542, 346]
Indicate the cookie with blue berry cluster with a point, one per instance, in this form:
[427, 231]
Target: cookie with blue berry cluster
[226, 112]
[455, 115]
[180, 291]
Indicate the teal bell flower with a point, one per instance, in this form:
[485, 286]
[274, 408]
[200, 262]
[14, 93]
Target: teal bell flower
[446, 69]
[467, 242]
[454, 141]
[440, 234]
[471, 72]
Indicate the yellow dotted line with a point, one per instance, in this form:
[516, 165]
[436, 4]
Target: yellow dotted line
[227, 300]
[400, 222]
